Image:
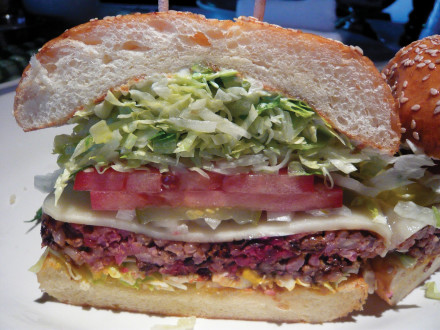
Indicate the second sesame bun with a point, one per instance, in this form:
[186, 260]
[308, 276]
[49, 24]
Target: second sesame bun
[414, 76]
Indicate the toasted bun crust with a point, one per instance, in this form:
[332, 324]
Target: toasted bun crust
[301, 304]
[395, 282]
[78, 68]
[414, 75]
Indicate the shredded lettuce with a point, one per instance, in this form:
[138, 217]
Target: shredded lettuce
[431, 291]
[411, 210]
[37, 267]
[407, 261]
[212, 120]
[436, 213]
[184, 323]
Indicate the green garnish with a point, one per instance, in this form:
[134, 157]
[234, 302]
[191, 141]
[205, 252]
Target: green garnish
[437, 216]
[431, 291]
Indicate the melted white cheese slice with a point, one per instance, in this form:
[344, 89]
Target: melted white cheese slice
[74, 207]
[403, 228]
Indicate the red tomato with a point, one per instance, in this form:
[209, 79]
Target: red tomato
[321, 198]
[144, 181]
[268, 184]
[191, 180]
[151, 181]
[111, 180]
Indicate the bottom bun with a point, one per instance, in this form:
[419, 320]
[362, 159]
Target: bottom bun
[394, 282]
[301, 304]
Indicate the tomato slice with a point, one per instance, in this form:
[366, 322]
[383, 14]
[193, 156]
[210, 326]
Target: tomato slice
[321, 198]
[151, 181]
[272, 184]
[191, 180]
[144, 181]
[111, 180]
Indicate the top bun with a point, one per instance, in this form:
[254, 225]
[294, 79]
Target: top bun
[79, 67]
[414, 77]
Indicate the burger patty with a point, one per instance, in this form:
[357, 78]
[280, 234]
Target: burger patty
[425, 243]
[312, 257]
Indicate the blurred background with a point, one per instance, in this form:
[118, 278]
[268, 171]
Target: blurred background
[379, 27]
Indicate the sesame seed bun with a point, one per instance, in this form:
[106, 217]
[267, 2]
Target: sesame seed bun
[79, 67]
[414, 76]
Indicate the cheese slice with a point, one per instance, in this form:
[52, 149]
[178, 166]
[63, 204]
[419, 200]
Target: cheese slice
[74, 207]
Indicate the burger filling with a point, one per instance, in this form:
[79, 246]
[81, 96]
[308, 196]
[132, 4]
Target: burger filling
[311, 259]
[421, 245]
[208, 147]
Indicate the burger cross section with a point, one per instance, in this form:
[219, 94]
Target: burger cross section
[238, 172]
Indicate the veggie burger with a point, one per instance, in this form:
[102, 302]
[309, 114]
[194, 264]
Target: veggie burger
[215, 168]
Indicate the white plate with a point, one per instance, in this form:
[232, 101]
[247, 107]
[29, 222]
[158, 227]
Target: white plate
[23, 306]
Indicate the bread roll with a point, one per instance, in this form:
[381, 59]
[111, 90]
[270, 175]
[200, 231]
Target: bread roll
[414, 77]
[301, 304]
[395, 281]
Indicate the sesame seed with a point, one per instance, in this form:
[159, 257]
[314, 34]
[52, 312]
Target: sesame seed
[433, 91]
[403, 130]
[416, 136]
[403, 100]
[431, 66]
[437, 110]
[359, 50]
[427, 61]
[423, 46]
[386, 71]
[418, 58]
[394, 66]
[413, 124]
[438, 103]
[405, 83]
[418, 50]
[420, 65]
[415, 107]
[383, 76]
[426, 77]
[432, 52]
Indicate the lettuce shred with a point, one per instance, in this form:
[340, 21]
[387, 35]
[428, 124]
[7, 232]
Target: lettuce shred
[184, 323]
[431, 291]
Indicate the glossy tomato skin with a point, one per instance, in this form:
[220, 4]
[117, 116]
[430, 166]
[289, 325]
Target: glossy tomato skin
[321, 198]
